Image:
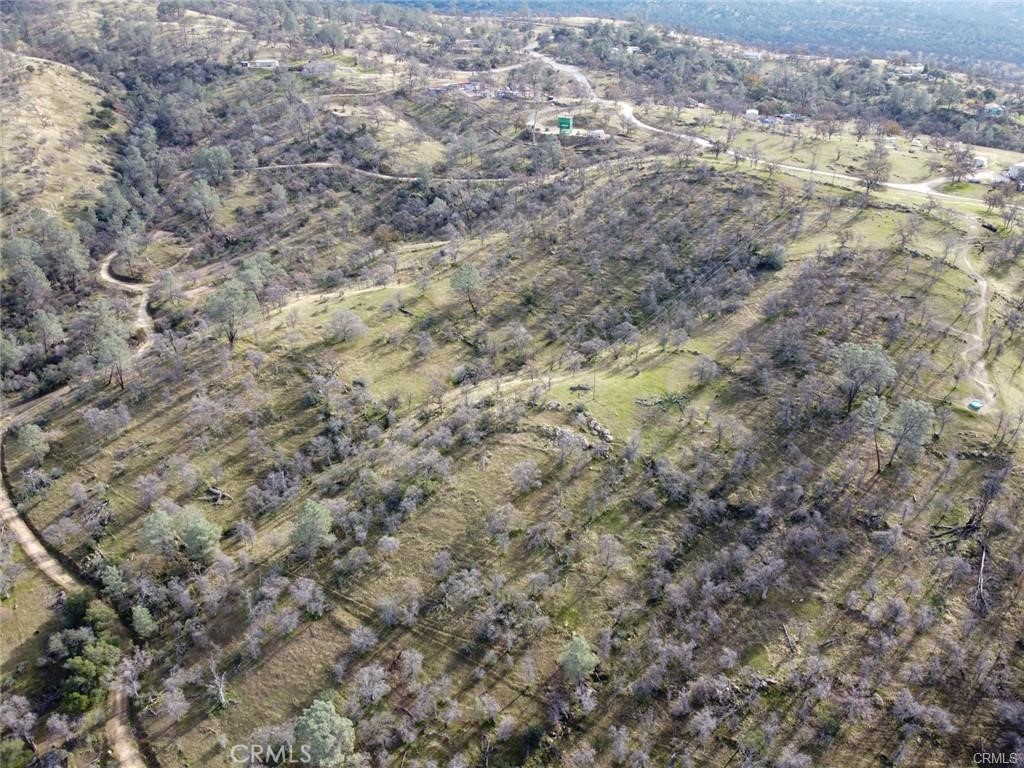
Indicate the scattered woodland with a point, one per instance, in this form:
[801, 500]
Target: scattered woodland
[354, 415]
[973, 37]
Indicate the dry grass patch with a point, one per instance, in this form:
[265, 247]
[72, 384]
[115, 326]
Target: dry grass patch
[52, 132]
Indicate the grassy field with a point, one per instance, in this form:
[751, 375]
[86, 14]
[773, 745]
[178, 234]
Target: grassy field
[843, 153]
[28, 620]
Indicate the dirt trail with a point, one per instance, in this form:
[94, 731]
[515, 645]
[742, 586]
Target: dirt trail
[25, 412]
[626, 110]
[35, 551]
[118, 726]
[973, 354]
[142, 316]
[378, 174]
[119, 731]
[335, 293]
[572, 70]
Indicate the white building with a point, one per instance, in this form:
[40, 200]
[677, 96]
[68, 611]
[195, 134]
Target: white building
[262, 64]
[752, 114]
[909, 70]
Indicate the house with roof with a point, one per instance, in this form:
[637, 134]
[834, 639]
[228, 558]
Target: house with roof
[993, 110]
[261, 64]
[906, 71]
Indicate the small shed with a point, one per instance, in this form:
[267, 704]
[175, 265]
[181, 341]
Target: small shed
[752, 114]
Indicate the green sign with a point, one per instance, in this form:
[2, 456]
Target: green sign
[564, 124]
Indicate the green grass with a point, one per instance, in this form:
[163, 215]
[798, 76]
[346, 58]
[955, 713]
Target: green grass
[27, 622]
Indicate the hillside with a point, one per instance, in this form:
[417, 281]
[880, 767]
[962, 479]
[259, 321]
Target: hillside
[357, 415]
[54, 121]
[978, 34]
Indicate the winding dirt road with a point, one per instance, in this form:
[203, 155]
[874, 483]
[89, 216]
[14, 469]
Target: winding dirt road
[118, 728]
[142, 317]
[627, 112]
[973, 354]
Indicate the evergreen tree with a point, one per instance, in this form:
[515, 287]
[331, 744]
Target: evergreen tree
[577, 660]
[329, 737]
[312, 530]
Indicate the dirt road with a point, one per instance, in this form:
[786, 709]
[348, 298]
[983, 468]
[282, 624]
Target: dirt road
[382, 176]
[627, 111]
[35, 551]
[119, 731]
[973, 354]
[142, 317]
[118, 726]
